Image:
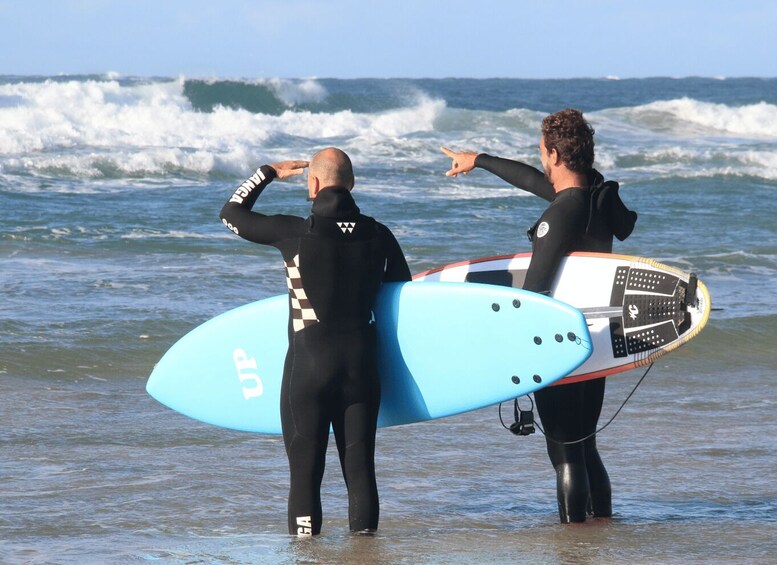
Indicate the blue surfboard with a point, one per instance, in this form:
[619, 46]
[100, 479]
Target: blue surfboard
[443, 348]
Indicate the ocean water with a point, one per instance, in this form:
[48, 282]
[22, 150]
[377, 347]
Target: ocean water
[111, 249]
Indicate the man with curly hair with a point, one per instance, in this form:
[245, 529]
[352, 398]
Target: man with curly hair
[584, 214]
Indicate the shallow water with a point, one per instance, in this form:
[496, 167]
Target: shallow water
[111, 250]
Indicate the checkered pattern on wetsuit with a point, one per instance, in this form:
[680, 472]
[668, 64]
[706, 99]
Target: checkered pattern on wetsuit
[302, 313]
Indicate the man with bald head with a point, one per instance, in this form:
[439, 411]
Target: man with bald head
[329, 167]
[336, 259]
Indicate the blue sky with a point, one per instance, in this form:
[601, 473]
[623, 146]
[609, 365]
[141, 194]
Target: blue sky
[402, 38]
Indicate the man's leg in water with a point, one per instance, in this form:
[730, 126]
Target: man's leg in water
[598, 479]
[559, 408]
[355, 422]
[305, 424]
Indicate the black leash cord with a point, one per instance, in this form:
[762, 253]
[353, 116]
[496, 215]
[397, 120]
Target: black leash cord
[589, 436]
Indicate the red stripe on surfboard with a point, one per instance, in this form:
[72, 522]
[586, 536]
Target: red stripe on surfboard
[598, 374]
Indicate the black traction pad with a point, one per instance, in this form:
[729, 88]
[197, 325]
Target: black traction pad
[651, 338]
[653, 310]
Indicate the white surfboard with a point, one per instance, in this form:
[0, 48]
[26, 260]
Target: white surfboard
[636, 309]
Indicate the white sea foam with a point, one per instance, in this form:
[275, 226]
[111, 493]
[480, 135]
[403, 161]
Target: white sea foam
[297, 92]
[290, 92]
[109, 128]
[174, 234]
[692, 118]
[96, 128]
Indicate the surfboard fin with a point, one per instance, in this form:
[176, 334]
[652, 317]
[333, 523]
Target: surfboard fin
[690, 291]
[685, 325]
[690, 299]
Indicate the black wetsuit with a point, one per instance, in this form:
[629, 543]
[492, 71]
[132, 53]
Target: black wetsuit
[336, 260]
[578, 219]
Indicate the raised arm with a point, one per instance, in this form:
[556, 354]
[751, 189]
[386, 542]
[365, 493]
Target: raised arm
[254, 226]
[518, 174]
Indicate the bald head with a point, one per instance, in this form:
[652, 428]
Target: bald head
[332, 167]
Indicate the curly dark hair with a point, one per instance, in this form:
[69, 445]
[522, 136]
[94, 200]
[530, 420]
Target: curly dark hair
[572, 137]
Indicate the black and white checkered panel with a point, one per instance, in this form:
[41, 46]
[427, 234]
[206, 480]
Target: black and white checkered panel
[302, 313]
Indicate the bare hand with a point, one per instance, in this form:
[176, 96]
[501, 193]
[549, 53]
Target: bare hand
[286, 169]
[463, 162]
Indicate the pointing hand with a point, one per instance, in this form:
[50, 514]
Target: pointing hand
[463, 162]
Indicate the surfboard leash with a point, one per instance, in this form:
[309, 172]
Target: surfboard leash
[524, 419]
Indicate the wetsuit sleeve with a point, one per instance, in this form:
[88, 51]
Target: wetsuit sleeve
[558, 230]
[518, 174]
[396, 264]
[255, 226]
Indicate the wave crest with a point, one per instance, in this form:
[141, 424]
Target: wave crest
[110, 129]
[689, 117]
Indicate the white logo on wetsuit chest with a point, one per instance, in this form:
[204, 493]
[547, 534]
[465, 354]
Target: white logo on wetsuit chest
[347, 227]
[543, 229]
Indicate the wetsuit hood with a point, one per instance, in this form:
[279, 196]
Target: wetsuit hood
[596, 179]
[606, 205]
[335, 202]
